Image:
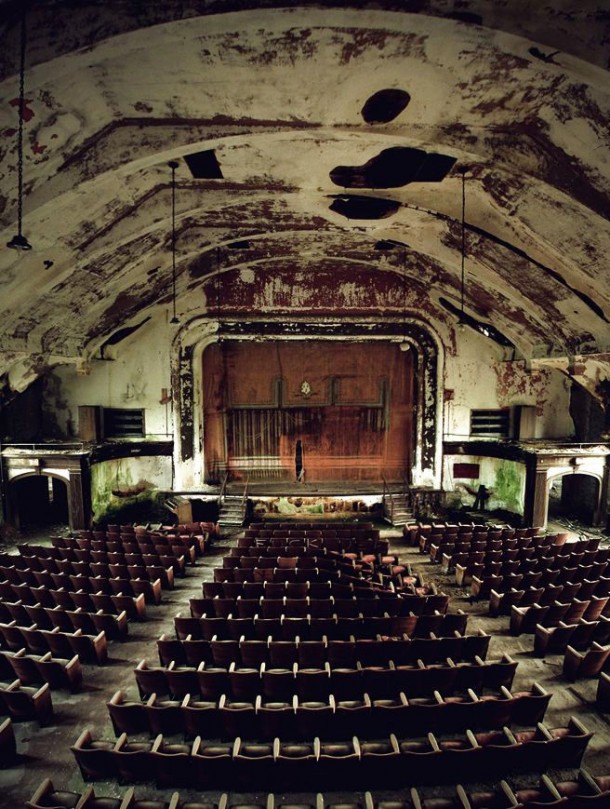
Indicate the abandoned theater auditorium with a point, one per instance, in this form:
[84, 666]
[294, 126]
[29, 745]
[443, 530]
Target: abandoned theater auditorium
[304, 404]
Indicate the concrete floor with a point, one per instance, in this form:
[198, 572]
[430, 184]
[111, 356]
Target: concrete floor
[44, 752]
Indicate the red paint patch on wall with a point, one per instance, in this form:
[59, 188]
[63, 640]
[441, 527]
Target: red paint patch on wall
[469, 471]
[38, 148]
[517, 385]
[26, 112]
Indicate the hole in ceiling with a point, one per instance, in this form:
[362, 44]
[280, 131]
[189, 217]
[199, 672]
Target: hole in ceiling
[393, 168]
[244, 244]
[482, 328]
[544, 57]
[466, 16]
[353, 206]
[389, 244]
[204, 165]
[384, 106]
[121, 334]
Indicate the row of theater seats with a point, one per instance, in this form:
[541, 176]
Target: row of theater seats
[99, 571]
[413, 533]
[482, 582]
[54, 559]
[501, 603]
[207, 530]
[361, 588]
[377, 604]
[119, 585]
[59, 553]
[32, 669]
[318, 681]
[337, 653]
[331, 718]
[388, 763]
[88, 600]
[84, 547]
[276, 574]
[278, 547]
[524, 620]
[88, 648]
[308, 628]
[321, 561]
[44, 572]
[510, 550]
[369, 651]
[72, 549]
[354, 548]
[579, 635]
[328, 530]
[38, 570]
[481, 586]
[447, 552]
[114, 625]
[582, 791]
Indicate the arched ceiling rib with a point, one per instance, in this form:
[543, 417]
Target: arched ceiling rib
[276, 94]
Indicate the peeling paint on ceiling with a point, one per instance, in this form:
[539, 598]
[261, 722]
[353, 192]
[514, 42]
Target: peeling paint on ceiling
[282, 105]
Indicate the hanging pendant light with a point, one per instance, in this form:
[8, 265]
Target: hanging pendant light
[461, 320]
[19, 241]
[173, 164]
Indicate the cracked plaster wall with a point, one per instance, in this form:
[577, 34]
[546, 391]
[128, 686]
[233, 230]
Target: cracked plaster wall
[482, 380]
[133, 378]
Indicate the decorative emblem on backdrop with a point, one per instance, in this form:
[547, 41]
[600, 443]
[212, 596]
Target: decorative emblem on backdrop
[305, 388]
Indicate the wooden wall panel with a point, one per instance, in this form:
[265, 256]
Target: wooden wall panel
[350, 405]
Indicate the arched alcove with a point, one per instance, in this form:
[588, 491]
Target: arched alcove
[576, 496]
[39, 500]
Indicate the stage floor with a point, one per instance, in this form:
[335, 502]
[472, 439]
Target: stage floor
[289, 488]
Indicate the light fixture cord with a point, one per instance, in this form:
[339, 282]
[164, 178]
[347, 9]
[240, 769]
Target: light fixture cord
[463, 243]
[20, 130]
[174, 241]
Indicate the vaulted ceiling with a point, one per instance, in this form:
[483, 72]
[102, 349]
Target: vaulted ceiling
[320, 142]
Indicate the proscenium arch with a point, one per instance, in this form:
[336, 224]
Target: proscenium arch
[194, 337]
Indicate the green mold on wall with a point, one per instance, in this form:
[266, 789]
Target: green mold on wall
[508, 485]
[113, 491]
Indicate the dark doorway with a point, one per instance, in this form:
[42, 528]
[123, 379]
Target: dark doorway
[575, 496]
[39, 500]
